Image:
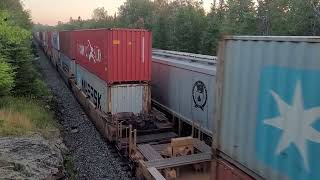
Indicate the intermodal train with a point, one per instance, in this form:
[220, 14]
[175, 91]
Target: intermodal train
[257, 103]
[109, 72]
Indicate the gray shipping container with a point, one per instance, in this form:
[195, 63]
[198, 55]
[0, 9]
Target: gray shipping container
[44, 39]
[268, 106]
[113, 98]
[55, 56]
[55, 40]
[183, 83]
[67, 65]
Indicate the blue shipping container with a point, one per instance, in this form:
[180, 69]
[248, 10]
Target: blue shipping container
[268, 106]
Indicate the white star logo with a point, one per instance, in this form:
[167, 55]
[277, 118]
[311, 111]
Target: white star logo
[296, 124]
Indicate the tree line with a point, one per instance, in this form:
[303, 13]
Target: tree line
[18, 75]
[184, 25]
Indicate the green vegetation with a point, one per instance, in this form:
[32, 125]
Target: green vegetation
[183, 25]
[69, 165]
[22, 92]
[6, 78]
[23, 116]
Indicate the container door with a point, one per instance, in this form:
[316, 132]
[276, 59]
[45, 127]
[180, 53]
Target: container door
[127, 98]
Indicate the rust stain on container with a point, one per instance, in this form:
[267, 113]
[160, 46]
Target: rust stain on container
[226, 171]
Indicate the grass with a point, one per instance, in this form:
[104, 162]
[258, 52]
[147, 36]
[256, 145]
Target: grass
[70, 167]
[25, 116]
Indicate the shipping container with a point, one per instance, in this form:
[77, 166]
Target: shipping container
[67, 43]
[67, 65]
[37, 36]
[268, 106]
[44, 40]
[184, 84]
[115, 55]
[55, 40]
[40, 36]
[113, 98]
[49, 44]
[226, 171]
[55, 56]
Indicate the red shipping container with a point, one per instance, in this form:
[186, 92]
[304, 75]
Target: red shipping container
[227, 171]
[115, 55]
[67, 43]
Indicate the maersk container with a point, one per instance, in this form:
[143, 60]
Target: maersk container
[115, 55]
[268, 106]
[67, 65]
[55, 40]
[184, 84]
[111, 98]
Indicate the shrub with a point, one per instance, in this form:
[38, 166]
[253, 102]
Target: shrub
[21, 116]
[6, 78]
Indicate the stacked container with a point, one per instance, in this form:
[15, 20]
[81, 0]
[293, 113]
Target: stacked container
[37, 36]
[43, 37]
[55, 47]
[116, 55]
[66, 61]
[48, 49]
[268, 106]
[112, 67]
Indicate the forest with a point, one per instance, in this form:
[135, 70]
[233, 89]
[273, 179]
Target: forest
[23, 93]
[184, 25]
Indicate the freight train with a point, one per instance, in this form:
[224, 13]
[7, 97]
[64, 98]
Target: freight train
[109, 72]
[258, 102]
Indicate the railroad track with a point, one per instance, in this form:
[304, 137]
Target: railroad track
[93, 157]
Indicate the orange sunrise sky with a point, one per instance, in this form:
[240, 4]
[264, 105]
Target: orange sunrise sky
[51, 11]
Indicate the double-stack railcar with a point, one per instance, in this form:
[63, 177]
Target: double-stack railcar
[112, 67]
[116, 65]
[263, 94]
[109, 71]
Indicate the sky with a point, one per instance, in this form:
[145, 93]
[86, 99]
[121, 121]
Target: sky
[51, 11]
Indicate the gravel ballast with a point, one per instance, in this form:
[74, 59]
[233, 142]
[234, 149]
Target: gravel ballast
[93, 157]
